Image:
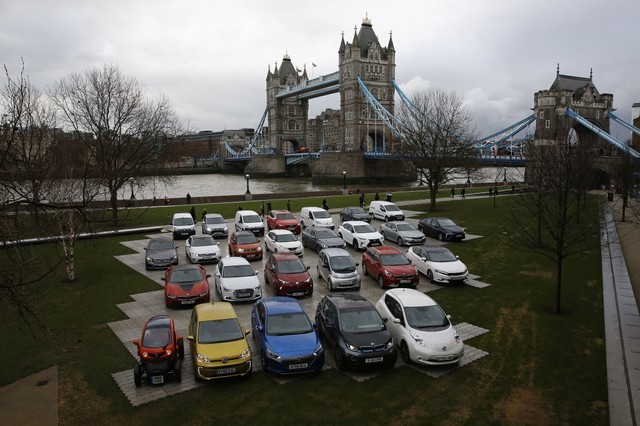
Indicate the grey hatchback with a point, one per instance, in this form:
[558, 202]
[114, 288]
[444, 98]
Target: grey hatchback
[160, 253]
[338, 269]
[402, 233]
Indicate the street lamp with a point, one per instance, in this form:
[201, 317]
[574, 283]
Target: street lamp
[247, 178]
[344, 179]
[505, 176]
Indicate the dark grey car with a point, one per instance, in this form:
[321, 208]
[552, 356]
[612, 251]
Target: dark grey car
[441, 228]
[321, 238]
[402, 233]
[354, 213]
[160, 253]
[215, 225]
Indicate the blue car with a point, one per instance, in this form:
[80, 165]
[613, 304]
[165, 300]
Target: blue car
[287, 340]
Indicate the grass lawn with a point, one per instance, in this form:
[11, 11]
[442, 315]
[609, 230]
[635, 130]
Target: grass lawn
[541, 368]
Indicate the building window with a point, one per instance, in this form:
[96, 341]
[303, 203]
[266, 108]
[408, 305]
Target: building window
[547, 124]
[541, 115]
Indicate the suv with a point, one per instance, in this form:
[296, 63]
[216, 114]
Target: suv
[360, 235]
[385, 210]
[338, 269]
[248, 220]
[183, 225]
[352, 326]
[389, 267]
[315, 216]
[283, 219]
[215, 225]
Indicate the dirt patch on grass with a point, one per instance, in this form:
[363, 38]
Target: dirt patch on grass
[77, 401]
[547, 275]
[523, 407]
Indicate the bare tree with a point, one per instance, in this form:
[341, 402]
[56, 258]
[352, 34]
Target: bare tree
[128, 134]
[437, 136]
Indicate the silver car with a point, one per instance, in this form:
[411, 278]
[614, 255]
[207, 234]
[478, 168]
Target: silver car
[402, 233]
[338, 269]
[215, 225]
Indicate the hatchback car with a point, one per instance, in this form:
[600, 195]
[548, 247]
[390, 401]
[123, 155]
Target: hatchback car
[219, 346]
[287, 275]
[215, 225]
[160, 253]
[441, 228]
[402, 233]
[350, 324]
[389, 267]
[236, 280]
[321, 238]
[287, 340]
[354, 213]
[202, 249]
[283, 219]
[360, 235]
[161, 351]
[438, 264]
[245, 244]
[338, 269]
[283, 241]
[186, 285]
[420, 328]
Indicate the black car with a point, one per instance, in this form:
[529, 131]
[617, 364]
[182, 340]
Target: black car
[160, 253]
[317, 238]
[441, 228]
[350, 324]
[354, 213]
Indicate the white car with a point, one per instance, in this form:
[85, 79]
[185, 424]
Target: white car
[360, 234]
[438, 264]
[420, 328]
[283, 241]
[201, 249]
[236, 280]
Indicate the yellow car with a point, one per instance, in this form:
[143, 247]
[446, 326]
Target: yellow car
[219, 346]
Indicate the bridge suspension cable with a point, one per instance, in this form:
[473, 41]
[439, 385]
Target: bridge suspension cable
[601, 133]
[623, 123]
[387, 118]
[506, 133]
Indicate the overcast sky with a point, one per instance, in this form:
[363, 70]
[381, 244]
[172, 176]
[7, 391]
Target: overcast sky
[211, 57]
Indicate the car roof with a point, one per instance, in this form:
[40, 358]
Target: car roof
[159, 321]
[281, 305]
[280, 231]
[238, 233]
[175, 215]
[434, 249]
[397, 222]
[385, 250]
[335, 251]
[312, 208]
[215, 311]
[185, 267]
[284, 256]
[234, 260]
[356, 222]
[213, 215]
[246, 212]
[347, 300]
[280, 211]
[412, 297]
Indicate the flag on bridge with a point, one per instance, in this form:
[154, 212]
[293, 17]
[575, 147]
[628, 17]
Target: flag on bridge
[314, 64]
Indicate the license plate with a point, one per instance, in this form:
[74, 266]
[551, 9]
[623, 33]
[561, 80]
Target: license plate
[376, 359]
[157, 380]
[188, 302]
[226, 370]
[298, 366]
[244, 294]
[298, 293]
[405, 281]
[375, 243]
[444, 358]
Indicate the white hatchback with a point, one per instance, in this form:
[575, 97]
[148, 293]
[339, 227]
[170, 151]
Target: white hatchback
[420, 328]
[201, 249]
[360, 234]
[283, 241]
[236, 280]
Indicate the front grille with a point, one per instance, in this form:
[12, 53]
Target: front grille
[243, 293]
[374, 348]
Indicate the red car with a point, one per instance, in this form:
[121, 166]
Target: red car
[186, 285]
[160, 350]
[283, 219]
[389, 267]
[287, 275]
[245, 244]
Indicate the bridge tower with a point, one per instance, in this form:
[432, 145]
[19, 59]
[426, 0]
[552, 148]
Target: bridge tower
[365, 57]
[287, 117]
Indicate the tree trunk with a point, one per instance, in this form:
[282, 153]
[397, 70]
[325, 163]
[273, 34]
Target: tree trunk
[114, 205]
[556, 305]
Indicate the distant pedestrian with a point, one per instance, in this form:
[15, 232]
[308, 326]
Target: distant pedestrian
[463, 192]
[490, 191]
[204, 213]
[389, 196]
[188, 198]
[261, 208]
[192, 212]
[453, 192]
[376, 197]
[362, 200]
[324, 204]
[239, 208]
[513, 188]
[154, 200]
[167, 201]
[289, 205]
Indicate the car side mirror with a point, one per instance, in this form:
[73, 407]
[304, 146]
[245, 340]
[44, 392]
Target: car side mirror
[449, 317]
[308, 267]
[246, 332]
[457, 257]
[163, 279]
[136, 342]
[424, 259]
[208, 275]
[190, 338]
[217, 273]
[409, 260]
[357, 264]
[179, 339]
[396, 320]
[259, 328]
[385, 320]
[256, 272]
[146, 248]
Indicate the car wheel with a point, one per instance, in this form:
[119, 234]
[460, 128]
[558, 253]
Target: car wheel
[318, 272]
[263, 360]
[380, 281]
[404, 352]
[364, 269]
[338, 357]
[400, 241]
[386, 218]
[137, 375]
[181, 349]
[266, 248]
[177, 371]
[440, 236]
[429, 275]
[355, 244]
[304, 243]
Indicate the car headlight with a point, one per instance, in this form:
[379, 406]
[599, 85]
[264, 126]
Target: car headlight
[323, 245]
[148, 259]
[171, 296]
[207, 229]
[272, 354]
[174, 258]
[387, 273]
[390, 344]
[442, 272]
[202, 358]
[203, 294]
[226, 229]
[225, 289]
[351, 347]
[257, 288]
[245, 354]
[240, 250]
[308, 280]
[419, 340]
[319, 350]
[456, 336]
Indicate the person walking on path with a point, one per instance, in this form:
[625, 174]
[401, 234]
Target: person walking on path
[261, 208]
[324, 204]
[376, 197]
[453, 192]
[188, 198]
[192, 212]
[289, 205]
[362, 200]
[204, 213]
[462, 192]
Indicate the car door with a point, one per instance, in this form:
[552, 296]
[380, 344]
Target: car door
[329, 321]
[368, 262]
[346, 232]
[270, 271]
[395, 310]
[323, 267]
[414, 255]
[391, 231]
[258, 324]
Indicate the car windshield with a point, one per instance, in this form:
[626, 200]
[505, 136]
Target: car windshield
[286, 238]
[394, 259]
[363, 229]
[442, 256]
[342, 264]
[161, 245]
[325, 233]
[289, 323]
[247, 239]
[357, 210]
[446, 222]
[215, 220]
[423, 317]
[406, 227]
[360, 320]
[183, 221]
[235, 271]
[206, 240]
[391, 208]
[254, 218]
[158, 337]
[321, 214]
[293, 266]
[216, 331]
[285, 216]
[190, 275]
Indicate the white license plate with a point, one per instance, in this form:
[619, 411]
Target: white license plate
[444, 358]
[298, 293]
[405, 281]
[244, 294]
[157, 380]
[226, 370]
[376, 359]
[188, 302]
[298, 366]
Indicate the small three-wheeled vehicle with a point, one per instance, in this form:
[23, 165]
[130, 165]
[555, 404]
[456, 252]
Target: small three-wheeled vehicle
[160, 350]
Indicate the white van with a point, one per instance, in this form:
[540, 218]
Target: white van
[385, 210]
[183, 225]
[316, 216]
[248, 220]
